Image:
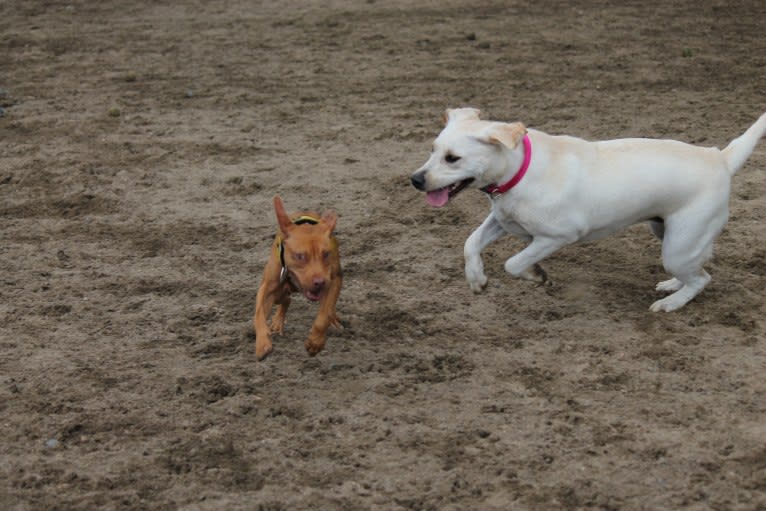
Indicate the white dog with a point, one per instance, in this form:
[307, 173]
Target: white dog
[555, 190]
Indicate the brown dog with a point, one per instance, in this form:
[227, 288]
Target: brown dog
[304, 258]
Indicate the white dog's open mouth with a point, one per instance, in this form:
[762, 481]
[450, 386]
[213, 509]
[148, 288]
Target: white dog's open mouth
[440, 197]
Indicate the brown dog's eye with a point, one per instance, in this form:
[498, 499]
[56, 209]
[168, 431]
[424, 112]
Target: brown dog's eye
[326, 255]
[300, 256]
[451, 158]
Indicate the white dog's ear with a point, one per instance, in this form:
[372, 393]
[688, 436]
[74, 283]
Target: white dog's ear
[505, 134]
[461, 114]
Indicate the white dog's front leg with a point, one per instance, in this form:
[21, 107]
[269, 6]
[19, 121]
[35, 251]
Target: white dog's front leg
[524, 264]
[486, 233]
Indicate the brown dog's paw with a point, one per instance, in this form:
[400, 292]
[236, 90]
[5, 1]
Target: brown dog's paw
[262, 350]
[314, 346]
[277, 326]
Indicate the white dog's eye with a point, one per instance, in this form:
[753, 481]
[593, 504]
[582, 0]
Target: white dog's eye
[451, 158]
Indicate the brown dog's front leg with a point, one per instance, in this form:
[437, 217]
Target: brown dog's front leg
[263, 304]
[324, 319]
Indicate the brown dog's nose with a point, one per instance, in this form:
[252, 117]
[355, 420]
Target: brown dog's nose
[317, 283]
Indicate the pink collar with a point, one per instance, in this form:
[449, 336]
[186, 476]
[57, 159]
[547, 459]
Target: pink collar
[495, 189]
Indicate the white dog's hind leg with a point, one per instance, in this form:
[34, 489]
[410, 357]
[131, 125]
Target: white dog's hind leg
[486, 233]
[658, 228]
[691, 287]
[669, 286]
[687, 244]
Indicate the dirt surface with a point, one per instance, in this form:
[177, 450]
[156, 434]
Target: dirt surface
[140, 146]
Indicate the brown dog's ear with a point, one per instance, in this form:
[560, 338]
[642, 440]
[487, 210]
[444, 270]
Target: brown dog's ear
[461, 114]
[505, 134]
[282, 218]
[329, 218]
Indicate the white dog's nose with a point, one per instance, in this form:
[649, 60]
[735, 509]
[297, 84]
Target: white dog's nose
[419, 180]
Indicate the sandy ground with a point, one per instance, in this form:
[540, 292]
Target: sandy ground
[140, 146]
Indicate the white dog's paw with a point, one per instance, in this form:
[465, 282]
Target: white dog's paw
[535, 273]
[474, 274]
[540, 275]
[668, 304]
[478, 284]
[670, 286]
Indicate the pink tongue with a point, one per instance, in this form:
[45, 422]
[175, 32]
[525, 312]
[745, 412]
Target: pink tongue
[438, 198]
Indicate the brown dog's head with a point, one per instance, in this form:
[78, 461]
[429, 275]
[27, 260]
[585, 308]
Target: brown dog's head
[310, 250]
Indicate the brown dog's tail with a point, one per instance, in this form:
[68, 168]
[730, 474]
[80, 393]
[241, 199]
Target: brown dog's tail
[740, 149]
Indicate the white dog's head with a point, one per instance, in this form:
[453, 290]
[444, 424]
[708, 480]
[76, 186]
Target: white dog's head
[468, 152]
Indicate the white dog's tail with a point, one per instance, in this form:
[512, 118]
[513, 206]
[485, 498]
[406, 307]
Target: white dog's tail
[740, 149]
